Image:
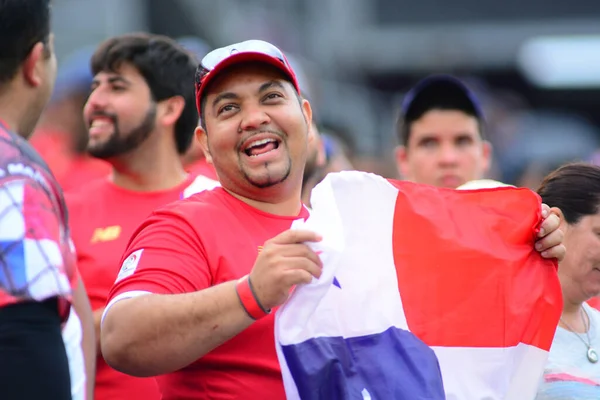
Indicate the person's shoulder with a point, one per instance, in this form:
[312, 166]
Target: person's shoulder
[19, 161]
[201, 204]
[593, 312]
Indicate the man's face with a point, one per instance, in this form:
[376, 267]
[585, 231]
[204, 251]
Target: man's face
[120, 112]
[256, 130]
[444, 149]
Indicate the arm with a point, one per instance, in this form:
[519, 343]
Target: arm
[97, 319]
[159, 333]
[161, 319]
[179, 317]
[82, 307]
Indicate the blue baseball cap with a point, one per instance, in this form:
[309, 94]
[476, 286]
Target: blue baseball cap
[439, 91]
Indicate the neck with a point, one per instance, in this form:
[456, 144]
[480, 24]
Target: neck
[146, 170]
[288, 206]
[572, 307]
[12, 114]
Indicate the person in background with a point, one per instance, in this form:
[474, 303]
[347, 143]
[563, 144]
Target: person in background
[61, 136]
[40, 289]
[194, 159]
[141, 117]
[442, 134]
[573, 367]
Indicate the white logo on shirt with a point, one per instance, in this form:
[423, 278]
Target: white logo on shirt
[129, 265]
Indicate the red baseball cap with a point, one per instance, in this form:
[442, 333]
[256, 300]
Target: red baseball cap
[251, 50]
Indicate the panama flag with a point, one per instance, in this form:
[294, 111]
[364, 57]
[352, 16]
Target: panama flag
[426, 293]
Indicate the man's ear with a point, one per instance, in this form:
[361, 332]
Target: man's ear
[401, 157]
[32, 73]
[170, 110]
[202, 138]
[307, 111]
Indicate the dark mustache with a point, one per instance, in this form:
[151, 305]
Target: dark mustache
[280, 135]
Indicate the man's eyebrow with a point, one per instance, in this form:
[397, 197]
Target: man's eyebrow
[224, 96]
[270, 84]
[112, 80]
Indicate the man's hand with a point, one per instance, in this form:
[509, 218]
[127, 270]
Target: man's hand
[550, 236]
[285, 261]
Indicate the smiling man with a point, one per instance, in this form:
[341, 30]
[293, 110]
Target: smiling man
[205, 273]
[210, 268]
[141, 117]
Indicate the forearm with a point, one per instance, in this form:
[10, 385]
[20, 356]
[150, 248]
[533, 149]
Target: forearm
[97, 321]
[156, 334]
[82, 307]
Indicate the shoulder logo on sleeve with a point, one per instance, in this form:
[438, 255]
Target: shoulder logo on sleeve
[130, 264]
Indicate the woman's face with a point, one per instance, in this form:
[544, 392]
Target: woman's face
[581, 267]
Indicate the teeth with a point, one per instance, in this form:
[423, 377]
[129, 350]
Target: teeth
[100, 123]
[260, 143]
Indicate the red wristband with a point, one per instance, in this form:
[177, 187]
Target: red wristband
[248, 299]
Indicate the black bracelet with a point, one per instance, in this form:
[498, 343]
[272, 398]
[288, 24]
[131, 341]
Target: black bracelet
[256, 298]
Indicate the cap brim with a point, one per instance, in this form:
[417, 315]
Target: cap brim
[244, 57]
[431, 82]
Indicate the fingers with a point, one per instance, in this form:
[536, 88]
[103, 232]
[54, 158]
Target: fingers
[292, 236]
[549, 225]
[545, 210]
[551, 237]
[554, 238]
[298, 276]
[301, 263]
[557, 252]
[297, 251]
[551, 245]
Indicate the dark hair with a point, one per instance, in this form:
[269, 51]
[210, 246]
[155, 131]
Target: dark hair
[167, 68]
[23, 24]
[439, 96]
[574, 188]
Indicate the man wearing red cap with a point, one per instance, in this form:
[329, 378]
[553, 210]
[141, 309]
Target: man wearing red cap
[200, 278]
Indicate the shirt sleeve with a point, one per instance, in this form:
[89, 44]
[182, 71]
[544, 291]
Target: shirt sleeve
[35, 254]
[164, 256]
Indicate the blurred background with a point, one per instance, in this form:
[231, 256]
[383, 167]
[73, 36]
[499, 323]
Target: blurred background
[534, 64]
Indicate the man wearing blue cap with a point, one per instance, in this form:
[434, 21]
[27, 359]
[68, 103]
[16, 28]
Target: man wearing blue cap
[442, 136]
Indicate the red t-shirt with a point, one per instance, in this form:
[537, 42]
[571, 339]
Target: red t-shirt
[207, 239]
[71, 170]
[103, 217]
